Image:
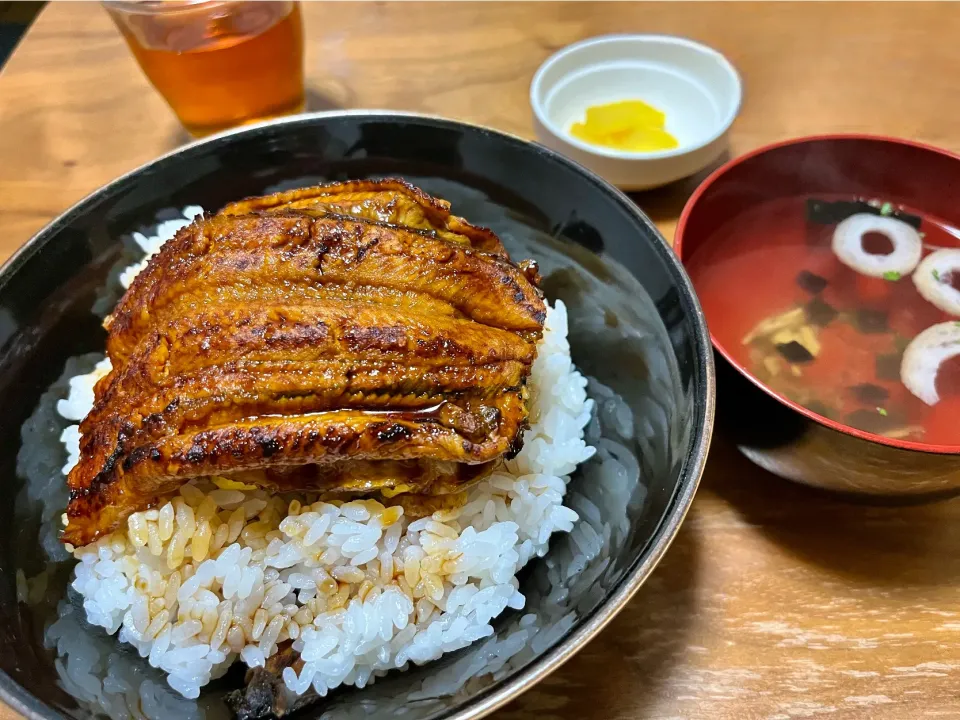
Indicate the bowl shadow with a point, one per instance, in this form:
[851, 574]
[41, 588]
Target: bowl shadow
[634, 656]
[869, 540]
[664, 204]
[314, 100]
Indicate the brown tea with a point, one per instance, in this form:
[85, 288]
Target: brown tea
[218, 64]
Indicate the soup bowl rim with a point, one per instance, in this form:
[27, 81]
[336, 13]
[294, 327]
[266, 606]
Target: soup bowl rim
[691, 206]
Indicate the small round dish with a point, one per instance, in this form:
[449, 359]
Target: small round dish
[777, 433]
[695, 86]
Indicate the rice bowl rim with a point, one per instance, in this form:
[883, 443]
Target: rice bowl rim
[691, 469]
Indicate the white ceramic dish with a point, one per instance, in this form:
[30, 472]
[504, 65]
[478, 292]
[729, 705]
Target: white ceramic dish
[695, 86]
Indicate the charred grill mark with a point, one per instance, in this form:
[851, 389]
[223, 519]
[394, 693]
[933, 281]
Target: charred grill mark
[517, 445]
[140, 454]
[196, 454]
[448, 348]
[269, 445]
[110, 463]
[393, 432]
[361, 338]
[363, 248]
[153, 419]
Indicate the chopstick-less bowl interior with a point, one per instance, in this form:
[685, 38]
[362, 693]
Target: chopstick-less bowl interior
[644, 401]
[826, 270]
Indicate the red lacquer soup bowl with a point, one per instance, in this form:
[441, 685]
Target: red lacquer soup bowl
[829, 273]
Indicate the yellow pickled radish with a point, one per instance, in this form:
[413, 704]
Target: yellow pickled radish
[647, 140]
[623, 115]
[630, 125]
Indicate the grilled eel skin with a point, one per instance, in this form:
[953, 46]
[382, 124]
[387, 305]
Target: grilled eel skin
[264, 694]
[348, 338]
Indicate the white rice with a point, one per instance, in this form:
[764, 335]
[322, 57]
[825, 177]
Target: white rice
[220, 574]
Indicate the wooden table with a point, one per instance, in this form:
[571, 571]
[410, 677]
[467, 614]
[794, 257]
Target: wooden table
[775, 601]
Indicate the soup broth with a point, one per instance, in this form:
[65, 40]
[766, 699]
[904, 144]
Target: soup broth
[822, 334]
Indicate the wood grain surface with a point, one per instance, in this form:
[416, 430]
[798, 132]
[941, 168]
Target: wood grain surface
[775, 601]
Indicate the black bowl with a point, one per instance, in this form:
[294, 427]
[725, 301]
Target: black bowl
[636, 326]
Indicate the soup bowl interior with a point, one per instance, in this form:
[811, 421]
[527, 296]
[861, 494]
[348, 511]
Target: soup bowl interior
[905, 175]
[635, 329]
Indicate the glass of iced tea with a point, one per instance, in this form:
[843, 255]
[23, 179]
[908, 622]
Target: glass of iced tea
[218, 64]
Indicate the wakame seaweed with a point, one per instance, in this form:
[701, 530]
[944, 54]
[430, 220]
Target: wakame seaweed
[820, 313]
[794, 352]
[811, 282]
[888, 366]
[870, 321]
[831, 212]
[870, 394]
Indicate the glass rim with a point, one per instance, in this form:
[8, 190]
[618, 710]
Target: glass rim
[163, 7]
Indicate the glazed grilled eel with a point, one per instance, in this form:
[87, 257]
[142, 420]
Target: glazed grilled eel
[348, 338]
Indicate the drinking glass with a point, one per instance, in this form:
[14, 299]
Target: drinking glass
[218, 64]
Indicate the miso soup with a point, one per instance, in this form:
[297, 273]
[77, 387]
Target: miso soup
[847, 307]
